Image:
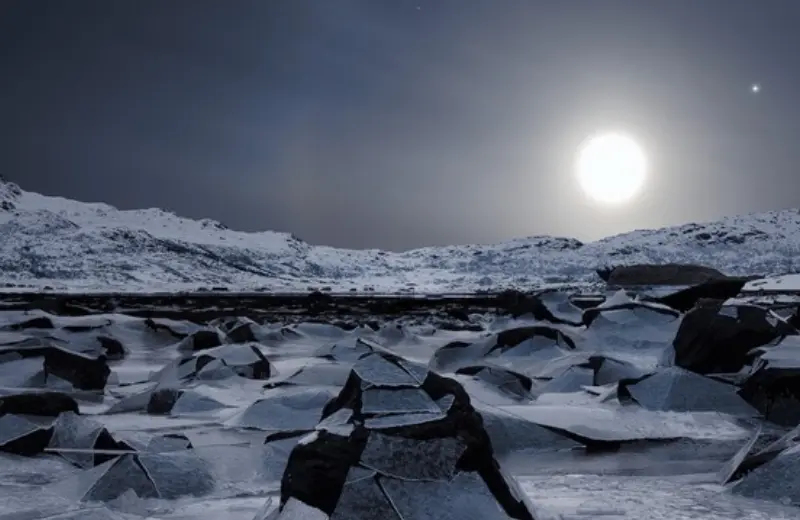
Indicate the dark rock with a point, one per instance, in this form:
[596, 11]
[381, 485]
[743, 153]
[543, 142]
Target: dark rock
[456, 354]
[762, 448]
[584, 302]
[48, 404]
[660, 274]
[774, 388]
[162, 400]
[686, 299]
[345, 325]
[41, 322]
[201, 340]
[159, 326]
[317, 301]
[393, 450]
[519, 385]
[459, 326]
[84, 372]
[372, 324]
[794, 319]
[22, 437]
[242, 333]
[328, 459]
[256, 366]
[458, 314]
[604, 273]
[678, 390]
[713, 338]
[84, 328]
[608, 370]
[113, 348]
[513, 337]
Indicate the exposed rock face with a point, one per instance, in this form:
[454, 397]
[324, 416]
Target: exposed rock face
[773, 385]
[658, 274]
[400, 439]
[84, 372]
[202, 340]
[40, 322]
[721, 289]
[717, 338]
[48, 404]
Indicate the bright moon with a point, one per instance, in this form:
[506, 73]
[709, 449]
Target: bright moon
[611, 168]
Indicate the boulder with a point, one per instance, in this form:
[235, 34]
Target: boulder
[399, 442]
[203, 339]
[773, 386]
[48, 404]
[41, 322]
[686, 299]
[659, 274]
[84, 372]
[112, 347]
[718, 338]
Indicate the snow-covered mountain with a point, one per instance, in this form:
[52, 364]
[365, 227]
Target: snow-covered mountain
[66, 244]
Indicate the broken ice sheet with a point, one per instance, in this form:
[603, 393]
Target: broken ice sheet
[679, 390]
[338, 422]
[156, 475]
[401, 400]
[401, 419]
[376, 370]
[433, 459]
[13, 427]
[72, 432]
[363, 499]
[466, 497]
[293, 510]
[446, 402]
[417, 371]
[289, 409]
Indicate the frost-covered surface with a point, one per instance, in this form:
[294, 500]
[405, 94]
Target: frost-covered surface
[71, 245]
[782, 283]
[224, 461]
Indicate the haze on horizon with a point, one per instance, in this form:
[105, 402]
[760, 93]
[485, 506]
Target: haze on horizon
[401, 123]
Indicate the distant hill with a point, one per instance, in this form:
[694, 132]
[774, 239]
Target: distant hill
[66, 244]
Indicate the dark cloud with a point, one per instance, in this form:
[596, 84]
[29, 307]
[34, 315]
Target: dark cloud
[371, 123]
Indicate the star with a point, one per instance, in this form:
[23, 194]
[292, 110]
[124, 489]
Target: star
[755, 88]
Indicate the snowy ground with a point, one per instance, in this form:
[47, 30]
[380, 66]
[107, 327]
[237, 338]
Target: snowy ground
[75, 246]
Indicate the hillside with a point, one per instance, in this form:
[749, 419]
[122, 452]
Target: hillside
[66, 244]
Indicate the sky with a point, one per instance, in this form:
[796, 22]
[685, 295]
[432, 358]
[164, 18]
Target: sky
[398, 124]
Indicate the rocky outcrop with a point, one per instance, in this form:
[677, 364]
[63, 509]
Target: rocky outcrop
[399, 440]
[658, 274]
[717, 338]
[721, 289]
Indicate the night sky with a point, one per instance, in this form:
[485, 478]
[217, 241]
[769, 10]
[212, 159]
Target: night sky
[401, 123]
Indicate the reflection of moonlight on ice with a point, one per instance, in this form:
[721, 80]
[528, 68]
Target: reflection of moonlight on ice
[611, 168]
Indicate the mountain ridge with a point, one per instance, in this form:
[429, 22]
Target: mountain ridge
[71, 245]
